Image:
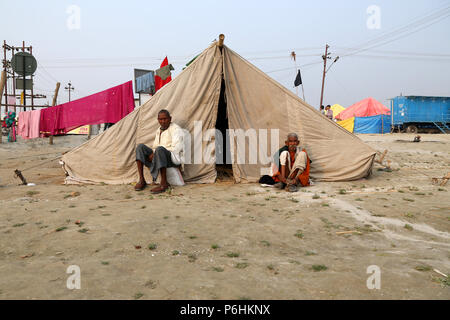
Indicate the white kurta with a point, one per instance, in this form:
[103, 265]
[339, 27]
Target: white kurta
[172, 140]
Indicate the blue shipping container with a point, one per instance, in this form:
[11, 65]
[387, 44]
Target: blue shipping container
[416, 112]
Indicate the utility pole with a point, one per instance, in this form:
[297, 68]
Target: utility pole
[70, 88]
[11, 51]
[325, 57]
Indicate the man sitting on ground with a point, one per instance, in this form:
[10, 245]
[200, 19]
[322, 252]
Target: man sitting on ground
[167, 148]
[291, 166]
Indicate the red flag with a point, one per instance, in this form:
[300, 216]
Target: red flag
[161, 77]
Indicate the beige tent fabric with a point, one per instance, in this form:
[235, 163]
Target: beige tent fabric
[254, 101]
[193, 95]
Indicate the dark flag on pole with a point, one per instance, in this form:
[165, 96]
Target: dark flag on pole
[298, 79]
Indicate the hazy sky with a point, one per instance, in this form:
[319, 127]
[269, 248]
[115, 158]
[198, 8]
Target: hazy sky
[115, 37]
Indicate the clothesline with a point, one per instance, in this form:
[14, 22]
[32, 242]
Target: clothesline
[108, 106]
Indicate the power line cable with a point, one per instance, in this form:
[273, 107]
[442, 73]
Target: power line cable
[402, 58]
[290, 68]
[402, 36]
[425, 17]
[416, 26]
[406, 53]
[48, 73]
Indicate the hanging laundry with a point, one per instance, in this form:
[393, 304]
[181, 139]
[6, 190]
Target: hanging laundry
[11, 101]
[10, 121]
[108, 106]
[162, 75]
[28, 125]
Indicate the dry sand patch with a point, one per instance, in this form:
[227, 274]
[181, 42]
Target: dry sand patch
[228, 241]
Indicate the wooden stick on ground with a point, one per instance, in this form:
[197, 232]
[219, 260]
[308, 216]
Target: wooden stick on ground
[19, 175]
[347, 232]
[445, 179]
[442, 274]
[380, 161]
[441, 181]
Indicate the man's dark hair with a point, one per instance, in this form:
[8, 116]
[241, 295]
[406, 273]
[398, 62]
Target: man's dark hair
[164, 111]
[322, 107]
[328, 106]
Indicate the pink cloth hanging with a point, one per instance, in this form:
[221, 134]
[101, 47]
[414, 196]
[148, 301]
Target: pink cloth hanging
[28, 126]
[108, 106]
[11, 100]
[22, 125]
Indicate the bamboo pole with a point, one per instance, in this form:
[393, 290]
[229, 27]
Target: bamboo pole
[2, 86]
[221, 39]
[55, 96]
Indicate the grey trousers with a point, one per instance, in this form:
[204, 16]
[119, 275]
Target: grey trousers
[161, 159]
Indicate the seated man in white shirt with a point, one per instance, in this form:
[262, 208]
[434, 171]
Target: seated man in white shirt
[165, 153]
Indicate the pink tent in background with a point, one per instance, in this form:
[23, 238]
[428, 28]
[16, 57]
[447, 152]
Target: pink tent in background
[365, 108]
[108, 106]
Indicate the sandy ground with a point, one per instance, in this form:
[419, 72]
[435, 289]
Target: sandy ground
[226, 240]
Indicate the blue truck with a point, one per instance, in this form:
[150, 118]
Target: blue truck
[413, 113]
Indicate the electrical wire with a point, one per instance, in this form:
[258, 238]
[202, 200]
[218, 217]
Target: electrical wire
[422, 18]
[290, 68]
[48, 73]
[281, 57]
[415, 26]
[404, 53]
[402, 58]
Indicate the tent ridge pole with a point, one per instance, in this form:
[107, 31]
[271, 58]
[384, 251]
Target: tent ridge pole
[221, 39]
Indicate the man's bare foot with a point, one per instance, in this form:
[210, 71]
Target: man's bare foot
[140, 186]
[159, 189]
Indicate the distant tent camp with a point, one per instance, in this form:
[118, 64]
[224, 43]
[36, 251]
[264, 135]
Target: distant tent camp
[366, 116]
[374, 124]
[221, 90]
[336, 108]
[347, 124]
[364, 108]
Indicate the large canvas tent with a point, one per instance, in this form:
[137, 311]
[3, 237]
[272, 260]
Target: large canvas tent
[220, 89]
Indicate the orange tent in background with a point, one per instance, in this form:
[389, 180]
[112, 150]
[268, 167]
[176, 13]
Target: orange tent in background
[364, 108]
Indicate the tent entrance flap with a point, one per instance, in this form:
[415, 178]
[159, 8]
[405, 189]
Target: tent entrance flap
[223, 159]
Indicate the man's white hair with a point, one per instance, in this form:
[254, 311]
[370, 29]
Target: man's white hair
[293, 135]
